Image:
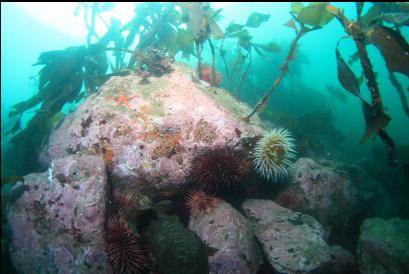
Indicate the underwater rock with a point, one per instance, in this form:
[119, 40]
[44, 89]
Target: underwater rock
[383, 246]
[176, 249]
[149, 134]
[292, 242]
[226, 230]
[57, 225]
[343, 261]
[319, 191]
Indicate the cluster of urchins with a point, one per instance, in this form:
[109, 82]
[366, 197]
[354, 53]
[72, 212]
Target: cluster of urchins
[212, 170]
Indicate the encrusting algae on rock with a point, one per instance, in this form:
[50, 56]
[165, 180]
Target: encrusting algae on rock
[160, 143]
[131, 163]
[154, 141]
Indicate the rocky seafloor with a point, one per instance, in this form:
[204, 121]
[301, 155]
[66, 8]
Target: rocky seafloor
[142, 140]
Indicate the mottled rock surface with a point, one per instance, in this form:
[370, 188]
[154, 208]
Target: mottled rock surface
[292, 241]
[383, 246]
[150, 133]
[319, 191]
[57, 225]
[226, 230]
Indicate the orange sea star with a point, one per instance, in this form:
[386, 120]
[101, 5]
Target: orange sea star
[123, 100]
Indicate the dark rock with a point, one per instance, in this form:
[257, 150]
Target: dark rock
[383, 246]
[321, 192]
[343, 261]
[176, 249]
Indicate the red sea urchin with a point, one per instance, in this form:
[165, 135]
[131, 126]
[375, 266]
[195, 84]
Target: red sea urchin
[206, 75]
[123, 201]
[219, 168]
[199, 203]
[125, 253]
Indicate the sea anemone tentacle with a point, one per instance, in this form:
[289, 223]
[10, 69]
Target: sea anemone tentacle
[274, 153]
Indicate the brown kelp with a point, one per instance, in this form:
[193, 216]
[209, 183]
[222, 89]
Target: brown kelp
[374, 121]
[244, 46]
[315, 15]
[201, 21]
[161, 26]
[393, 48]
[65, 72]
[158, 26]
[60, 82]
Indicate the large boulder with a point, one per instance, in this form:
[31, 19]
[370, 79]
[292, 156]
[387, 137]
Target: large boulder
[226, 230]
[292, 242]
[322, 192]
[383, 246]
[149, 133]
[57, 225]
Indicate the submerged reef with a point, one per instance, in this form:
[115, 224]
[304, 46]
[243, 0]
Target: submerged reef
[160, 171]
[150, 134]
[135, 153]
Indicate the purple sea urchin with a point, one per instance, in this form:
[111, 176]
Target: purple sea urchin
[218, 168]
[273, 154]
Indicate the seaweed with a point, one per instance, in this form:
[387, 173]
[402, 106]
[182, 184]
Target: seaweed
[392, 46]
[201, 22]
[394, 50]
[313, 15]
[60, 83]
[160, 29]
[244, 46]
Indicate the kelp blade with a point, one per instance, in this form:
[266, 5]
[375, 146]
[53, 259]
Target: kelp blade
[374, 121]
[393, 47]
[346, 76]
